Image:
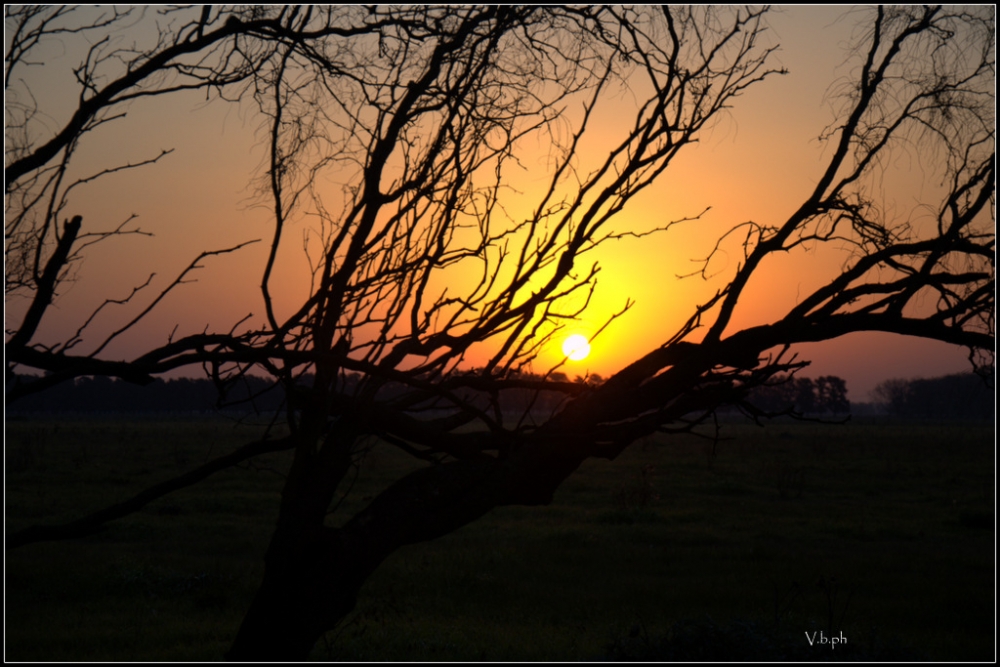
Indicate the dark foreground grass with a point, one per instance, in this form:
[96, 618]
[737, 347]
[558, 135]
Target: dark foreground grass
[878, 533]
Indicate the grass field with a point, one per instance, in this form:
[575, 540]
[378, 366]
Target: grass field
[881, 532]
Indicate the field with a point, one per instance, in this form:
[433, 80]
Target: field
[879, 533]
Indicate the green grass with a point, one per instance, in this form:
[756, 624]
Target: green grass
[900, 516]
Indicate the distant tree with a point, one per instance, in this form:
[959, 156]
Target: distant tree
[787, 394]
[419, 113]
[774, 397]
[831, 394]
[893, 395]
[805, 394]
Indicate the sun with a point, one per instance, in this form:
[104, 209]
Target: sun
[576, 347]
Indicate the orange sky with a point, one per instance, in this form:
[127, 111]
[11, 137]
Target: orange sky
[757, 163]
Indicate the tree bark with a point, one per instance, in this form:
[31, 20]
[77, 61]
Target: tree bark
[313, 573]
[303, 595]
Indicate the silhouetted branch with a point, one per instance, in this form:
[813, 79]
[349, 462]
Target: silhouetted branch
[46, 286]
[179, 280]
[405, 133]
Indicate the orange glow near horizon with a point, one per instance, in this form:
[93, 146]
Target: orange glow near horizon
[756, 164]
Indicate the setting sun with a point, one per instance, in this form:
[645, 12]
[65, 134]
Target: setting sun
[576, 347]
[345, 227]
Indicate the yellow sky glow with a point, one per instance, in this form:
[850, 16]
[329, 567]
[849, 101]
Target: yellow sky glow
[756, 164]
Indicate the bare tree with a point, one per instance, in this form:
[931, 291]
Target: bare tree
[421, 116]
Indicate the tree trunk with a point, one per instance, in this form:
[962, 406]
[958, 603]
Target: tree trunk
[313, 573]
[311, 579]
[303, 595]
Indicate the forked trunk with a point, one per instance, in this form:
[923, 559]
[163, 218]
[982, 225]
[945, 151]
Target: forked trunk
[313, 573]
[303, 595]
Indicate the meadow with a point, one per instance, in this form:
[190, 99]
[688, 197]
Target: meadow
[879, 532]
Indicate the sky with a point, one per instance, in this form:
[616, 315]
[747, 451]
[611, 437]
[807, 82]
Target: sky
[757, 163]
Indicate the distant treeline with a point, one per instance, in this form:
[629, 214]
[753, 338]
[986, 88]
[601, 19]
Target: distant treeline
[826, 394]
[101, 394]
[960, 396]
[104, 395]
[248, 393]
[963, 396]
